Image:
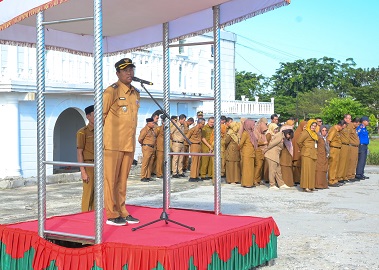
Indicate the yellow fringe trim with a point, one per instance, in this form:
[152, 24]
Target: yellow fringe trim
[31, 13]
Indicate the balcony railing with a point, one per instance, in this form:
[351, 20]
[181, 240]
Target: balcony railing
[240, 107]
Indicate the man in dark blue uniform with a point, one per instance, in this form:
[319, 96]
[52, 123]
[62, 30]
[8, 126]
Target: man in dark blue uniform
[362, 150]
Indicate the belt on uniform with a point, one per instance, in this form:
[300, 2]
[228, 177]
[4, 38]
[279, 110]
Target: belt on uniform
[195, 143]
[89, 160]
[150, 145]
[336, 147]
[177, 142]
[345, 144]
[354, 145]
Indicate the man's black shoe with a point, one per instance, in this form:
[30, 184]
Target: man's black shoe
[203, 178]
[145, 180]
[151, 179]
[175, 176]
[119, 221]
[192, 180]
[182, 175]
[131, 220]
[335, 185]
[365, 177]
[208, 178]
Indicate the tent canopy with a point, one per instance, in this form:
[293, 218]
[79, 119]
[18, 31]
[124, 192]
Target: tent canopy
[127, 25]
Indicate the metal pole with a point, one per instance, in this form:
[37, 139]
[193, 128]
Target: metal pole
[41, 128]
[98, 102]
[166, 107]
[217, 110]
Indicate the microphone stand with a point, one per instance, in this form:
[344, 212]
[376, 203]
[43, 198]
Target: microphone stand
[164, 215]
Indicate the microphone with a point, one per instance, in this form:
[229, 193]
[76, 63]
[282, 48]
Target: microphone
[142, 81]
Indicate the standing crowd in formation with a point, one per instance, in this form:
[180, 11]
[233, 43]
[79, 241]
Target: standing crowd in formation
[252, 152]
[313, 155]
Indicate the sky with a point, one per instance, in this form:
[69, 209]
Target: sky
[304, 29]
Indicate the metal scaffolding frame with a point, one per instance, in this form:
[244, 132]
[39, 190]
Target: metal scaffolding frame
[98, 103]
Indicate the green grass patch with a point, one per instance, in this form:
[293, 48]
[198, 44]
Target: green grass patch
[374, 145]
[373, 156]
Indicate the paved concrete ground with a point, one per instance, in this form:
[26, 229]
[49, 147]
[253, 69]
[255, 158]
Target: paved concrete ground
[335, 228]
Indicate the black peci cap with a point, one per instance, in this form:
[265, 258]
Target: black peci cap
[123, 63]
[89, 109]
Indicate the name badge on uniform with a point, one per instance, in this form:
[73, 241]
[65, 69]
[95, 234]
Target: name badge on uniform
[316, 144]
[124, 108]
[122, 98]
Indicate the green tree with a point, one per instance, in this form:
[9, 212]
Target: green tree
[285, 106]
[302, 76]
[250, 85]
[311, 103]
[336, 108]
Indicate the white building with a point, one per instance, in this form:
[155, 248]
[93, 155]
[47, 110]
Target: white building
[69, 89]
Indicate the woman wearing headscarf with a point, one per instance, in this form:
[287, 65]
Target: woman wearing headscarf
[259, 132]
[232, 154]
[272, 155]
[286, 155]
[272, 129]
[247, 145]
[296, 161]
[223, 128]
[307, 143]
[322, 158]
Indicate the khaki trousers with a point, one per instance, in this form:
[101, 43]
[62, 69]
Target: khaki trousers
[88, 202]
[206, 167]
[177, 160]
[185, 158]
[274, 173]
[117, 166]
[159, 163]
[147, 161]
[352, 161]
[333, 165]
[343, 163]
[195, 161]
[258, 165]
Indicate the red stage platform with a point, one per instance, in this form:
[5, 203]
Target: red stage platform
[219, 242]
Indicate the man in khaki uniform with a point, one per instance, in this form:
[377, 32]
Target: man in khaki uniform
[344, 153]
[155, 117]
[147, 138]
[187, 125]
[206, 171]
[335, 143]
[85, 154]
[194, 135]
[353, 149]
[177, 140]
[160, 149]
[121, 102]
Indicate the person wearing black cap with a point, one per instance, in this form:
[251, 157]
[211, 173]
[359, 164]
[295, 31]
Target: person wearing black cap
[121, 102]
[147, 138]
[85, 154]
[362, 149]
[159, 149]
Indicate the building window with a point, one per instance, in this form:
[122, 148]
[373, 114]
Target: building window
[180, 76]
[212, 78]
[20, 59]
[212, 50]
[181, 48]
